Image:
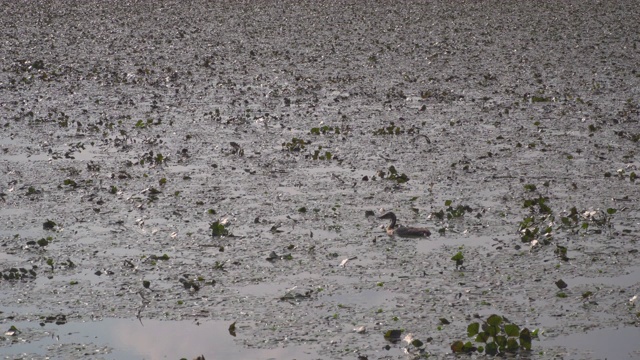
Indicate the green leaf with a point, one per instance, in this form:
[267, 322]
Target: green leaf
[525, 339]
[393, 335]
[232, 329]
[218, 229]
[473, 329]
[494, 320]
[448, 203]
[457, 347]
[49, 225]
[417, 343]
[458, 256]
[611, 211]
[492, 348]
[512, 345]
[512, 329]
[493, 330]
[482, 337]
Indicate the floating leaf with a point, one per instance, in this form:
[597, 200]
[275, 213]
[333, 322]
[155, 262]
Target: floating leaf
[512, 329]
[393, 336]
[417, 343]
[473, 329]
[218, 229]
[492, 348]
[232, 329]
[525, 339]
[482, 337]
[512, 345]
[561, 284]
[611, 211]
[49, 225]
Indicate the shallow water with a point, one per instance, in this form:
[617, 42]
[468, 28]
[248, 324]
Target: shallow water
[134, 130]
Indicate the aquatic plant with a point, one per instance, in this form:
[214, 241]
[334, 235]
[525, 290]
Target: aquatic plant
[325, 129]
[218, 229]
[296, 144]
[392, 129]
[459, 259]
[394, 175]
[451, 212]
[498, 335]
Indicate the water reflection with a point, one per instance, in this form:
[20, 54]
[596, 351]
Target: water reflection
[153, 339]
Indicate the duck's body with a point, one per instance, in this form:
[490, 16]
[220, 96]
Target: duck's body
[403, 231]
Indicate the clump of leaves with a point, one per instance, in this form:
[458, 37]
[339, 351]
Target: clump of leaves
[498, 335]
[49, 225]
[18, 274]
[70, 183]
[392, 129]
[459, 259]
[318, 156]
[324, 130]
[533, 227]
[394, 175]
[452, 212]
[295, 144]
[188, 283]
[218, 229]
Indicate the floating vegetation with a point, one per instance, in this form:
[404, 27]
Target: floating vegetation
[152, 159]
[317, 155]
[498, 336]
[43, 242]
[218, 229]
[459, 259]
[452, 212]
[324, 130]
[19, 274]
[394, 175]
[163, 257]
[49, 225]
[392, 129]
[295, 144]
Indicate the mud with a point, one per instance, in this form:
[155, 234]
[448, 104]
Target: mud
[128, 129]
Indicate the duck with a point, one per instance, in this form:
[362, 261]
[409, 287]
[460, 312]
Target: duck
[403, 231]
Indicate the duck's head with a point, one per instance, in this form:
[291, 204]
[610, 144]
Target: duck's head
[390, 215]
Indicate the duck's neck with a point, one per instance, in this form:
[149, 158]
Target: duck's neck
[393, 223]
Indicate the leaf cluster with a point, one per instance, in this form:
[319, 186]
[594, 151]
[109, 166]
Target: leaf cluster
[497, 335]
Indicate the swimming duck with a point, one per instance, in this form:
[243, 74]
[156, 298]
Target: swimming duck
[403, 231]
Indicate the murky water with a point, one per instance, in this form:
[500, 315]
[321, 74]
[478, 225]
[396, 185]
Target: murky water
[509, 129]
